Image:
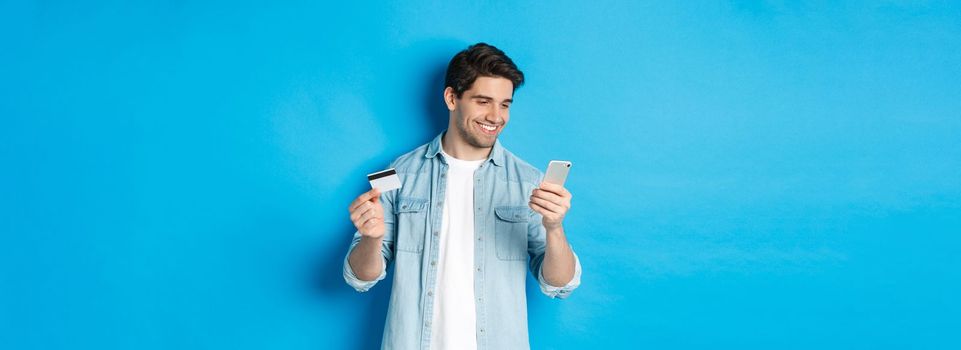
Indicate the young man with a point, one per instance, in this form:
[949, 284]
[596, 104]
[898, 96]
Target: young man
[469, 221]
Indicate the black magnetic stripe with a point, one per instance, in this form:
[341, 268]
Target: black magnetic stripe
[381, 174]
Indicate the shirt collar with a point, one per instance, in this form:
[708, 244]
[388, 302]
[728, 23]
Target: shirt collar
[497, 153]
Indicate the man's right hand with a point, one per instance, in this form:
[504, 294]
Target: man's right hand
[368, 214]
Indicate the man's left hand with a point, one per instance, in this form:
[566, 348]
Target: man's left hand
[552, 201]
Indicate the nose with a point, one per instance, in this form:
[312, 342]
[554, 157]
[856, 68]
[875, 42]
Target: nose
[497, 116]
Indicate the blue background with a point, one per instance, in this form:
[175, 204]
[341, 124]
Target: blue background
[749, 175]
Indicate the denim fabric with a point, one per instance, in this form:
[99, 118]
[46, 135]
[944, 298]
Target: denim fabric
[510, 240]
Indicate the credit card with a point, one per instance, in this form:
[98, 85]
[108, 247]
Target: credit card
[384, 180]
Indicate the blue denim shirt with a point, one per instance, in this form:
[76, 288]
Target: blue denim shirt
[510, 239]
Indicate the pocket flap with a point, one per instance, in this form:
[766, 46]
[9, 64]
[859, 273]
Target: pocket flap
[512, 214]
[409, 205]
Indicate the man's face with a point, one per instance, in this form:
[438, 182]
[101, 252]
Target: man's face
[481, 112]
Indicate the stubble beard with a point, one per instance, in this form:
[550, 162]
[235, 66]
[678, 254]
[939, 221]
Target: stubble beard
[472, 139]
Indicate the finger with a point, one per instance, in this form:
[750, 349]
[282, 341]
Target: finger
[361, 210]
[364, 197]
[370, 224]
[366, 220]
[550, 196]
[554, 208]
[376, 195]
[537, 208]
[367, 215]
[554, 188]
[541, 210]
[361, 199]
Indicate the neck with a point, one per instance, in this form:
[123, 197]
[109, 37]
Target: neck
[456, 147]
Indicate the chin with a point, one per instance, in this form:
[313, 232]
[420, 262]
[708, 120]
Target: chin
[489, 145]
[481, 143]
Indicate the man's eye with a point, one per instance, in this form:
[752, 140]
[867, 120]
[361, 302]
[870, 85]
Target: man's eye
[506, 106]
[483, 102]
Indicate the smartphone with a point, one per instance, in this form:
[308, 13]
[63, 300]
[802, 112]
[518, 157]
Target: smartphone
[557, 171]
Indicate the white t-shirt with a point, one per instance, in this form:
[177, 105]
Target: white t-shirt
[455, 316]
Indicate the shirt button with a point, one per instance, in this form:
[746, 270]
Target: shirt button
[480, 238]
[433, 263]
[478, 269]
[482, 330]
[436, 233]
[430, 293]
[480, 299]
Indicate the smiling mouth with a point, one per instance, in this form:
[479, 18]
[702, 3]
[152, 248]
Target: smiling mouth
[488, 129]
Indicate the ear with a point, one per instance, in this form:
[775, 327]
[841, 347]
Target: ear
[450, 98]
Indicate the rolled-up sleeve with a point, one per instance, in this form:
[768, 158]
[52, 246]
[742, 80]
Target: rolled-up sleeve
[565, 291]
[386, 248]
[349, 276]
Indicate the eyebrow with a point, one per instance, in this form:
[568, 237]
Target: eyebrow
[484, 97]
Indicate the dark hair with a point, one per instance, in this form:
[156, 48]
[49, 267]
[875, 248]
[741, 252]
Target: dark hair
[480, 60]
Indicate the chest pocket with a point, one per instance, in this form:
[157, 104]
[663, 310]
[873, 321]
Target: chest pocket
[411, 224]
[510, 230]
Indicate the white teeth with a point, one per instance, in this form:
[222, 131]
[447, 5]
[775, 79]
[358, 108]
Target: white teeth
[489, 127]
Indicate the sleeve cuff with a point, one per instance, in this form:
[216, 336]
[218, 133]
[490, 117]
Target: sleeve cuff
[357, 283]
[565, 291]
